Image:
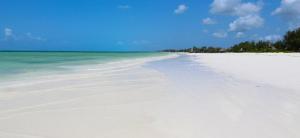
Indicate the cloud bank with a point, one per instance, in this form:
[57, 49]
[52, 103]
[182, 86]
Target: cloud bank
[246, 23]
[289, 11]
[247, 13]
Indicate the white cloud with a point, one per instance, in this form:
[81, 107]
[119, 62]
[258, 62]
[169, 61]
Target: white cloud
[224, 6]
[272, 38]
[38, 38]
[235, 7]
[182, 8]
[246, 23]
[240, 34]
[125, 7]
[245, 9]
[208, 21]
[220, 34]
[247, 13]
[289, 10]
[8, 34]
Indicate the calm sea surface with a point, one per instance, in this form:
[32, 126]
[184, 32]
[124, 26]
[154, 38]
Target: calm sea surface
[15, 63]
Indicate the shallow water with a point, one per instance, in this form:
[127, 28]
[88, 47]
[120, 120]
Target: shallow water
[16, 63]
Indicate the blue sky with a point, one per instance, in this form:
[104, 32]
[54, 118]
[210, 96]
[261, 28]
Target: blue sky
[137, 25]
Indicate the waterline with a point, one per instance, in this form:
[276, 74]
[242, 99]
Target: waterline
[19, 63]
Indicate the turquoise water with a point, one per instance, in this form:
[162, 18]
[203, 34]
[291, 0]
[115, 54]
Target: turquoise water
[15, 63]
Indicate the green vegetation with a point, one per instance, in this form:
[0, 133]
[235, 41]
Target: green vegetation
[292, 40]
[199, 50]
[260, 46]
[290, 43]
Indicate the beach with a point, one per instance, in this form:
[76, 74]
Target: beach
[156, 96]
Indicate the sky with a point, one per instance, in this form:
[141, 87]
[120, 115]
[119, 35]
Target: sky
[141, 25]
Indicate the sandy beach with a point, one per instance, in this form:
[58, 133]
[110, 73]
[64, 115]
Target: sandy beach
[176, 96]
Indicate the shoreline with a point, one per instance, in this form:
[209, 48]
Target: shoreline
[29, 64]
[277, 69]
[153, 97]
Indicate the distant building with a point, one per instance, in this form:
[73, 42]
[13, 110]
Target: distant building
[222, 50]
[241, 50]
[192, 50]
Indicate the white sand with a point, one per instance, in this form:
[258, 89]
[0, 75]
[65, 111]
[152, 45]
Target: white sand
[174, 98]
[278, 69]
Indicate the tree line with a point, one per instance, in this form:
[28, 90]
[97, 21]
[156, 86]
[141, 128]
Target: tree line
[289, 43]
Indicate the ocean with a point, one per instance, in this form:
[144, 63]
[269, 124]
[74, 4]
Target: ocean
[17, 63]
